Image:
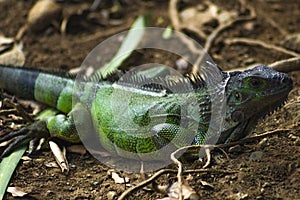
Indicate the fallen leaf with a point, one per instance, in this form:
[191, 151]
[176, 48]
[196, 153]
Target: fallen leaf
[40, 16]
[13, 56]
[16, 191]
[26, 158]
[196, 19]
[79, 149]
[117, 178]
[51, 164]
[206, 184]
[60, 156]
[187, 191]
[5, 43]
[3, 144]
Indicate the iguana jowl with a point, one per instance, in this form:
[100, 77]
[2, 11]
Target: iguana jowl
[250, 95]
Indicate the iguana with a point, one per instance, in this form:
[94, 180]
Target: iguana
[250, 95]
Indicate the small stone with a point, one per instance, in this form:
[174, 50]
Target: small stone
[111, 195]
[89, 175]
[249, 26]
[256, 156]
[95, 183]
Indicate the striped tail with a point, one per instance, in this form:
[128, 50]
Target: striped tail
[55, 91]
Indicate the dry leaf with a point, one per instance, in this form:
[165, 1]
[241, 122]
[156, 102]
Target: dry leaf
[3, 144]
[16, 191]
[101, 153]
[117, 178]
[206, 184]
[187, 191]
[195, 19]
[26, 158]
[5, 43]
[238, 196]
[60, 156]
[14, 56]
[51, 164]
[79, 149]
[42, 14]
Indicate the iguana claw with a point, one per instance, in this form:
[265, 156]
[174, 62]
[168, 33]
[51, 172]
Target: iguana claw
[21, 137]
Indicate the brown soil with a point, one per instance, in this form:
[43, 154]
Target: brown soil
[276, 175]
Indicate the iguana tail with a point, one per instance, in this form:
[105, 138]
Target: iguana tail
[53, 90]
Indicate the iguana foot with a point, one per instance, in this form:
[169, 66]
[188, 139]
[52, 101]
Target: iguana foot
[34, 132]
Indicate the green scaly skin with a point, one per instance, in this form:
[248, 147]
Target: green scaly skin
[152, 111]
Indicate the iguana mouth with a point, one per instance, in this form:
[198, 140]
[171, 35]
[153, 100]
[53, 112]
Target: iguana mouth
[242, 129]
[278, 94]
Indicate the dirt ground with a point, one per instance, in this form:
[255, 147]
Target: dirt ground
[274, 175]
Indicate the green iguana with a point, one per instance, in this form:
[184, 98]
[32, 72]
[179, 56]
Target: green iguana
[250, 95]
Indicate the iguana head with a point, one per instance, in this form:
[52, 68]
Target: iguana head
[251, 95]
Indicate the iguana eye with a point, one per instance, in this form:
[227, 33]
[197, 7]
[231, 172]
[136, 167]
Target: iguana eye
[255, 83]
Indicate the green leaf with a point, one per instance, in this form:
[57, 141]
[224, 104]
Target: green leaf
[7, 167]
[167, 34]
[128, 46]
[9, 163]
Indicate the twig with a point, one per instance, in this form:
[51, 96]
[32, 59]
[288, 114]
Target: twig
[165, 171]
[254, 42]
[105, 33]
[175, 21]
[179, 173]
[9, 111]
[174, 16]
[179, 164]
[208, 155]
[216, 32]
[287, 65]
[252, 138]
[212, 37]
